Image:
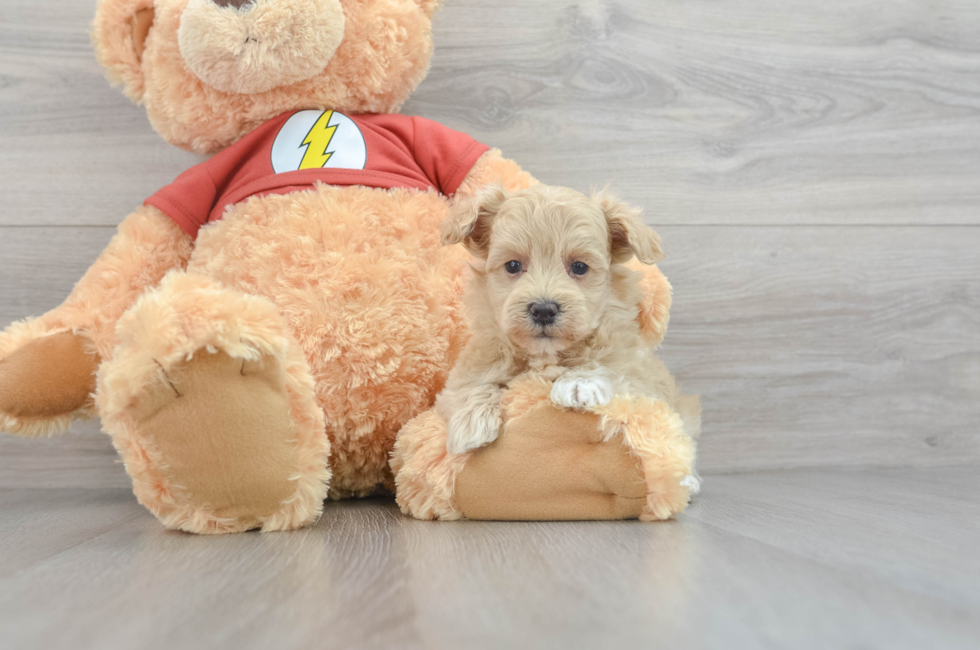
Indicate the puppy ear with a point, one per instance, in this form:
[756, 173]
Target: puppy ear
[471, 219]
[119, 34]
[628, 235]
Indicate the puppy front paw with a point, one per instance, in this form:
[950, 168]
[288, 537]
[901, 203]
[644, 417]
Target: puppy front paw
[581, 391]
[474, 427]
[692, 483]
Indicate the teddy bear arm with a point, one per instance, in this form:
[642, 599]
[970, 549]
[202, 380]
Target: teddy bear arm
[48, 364]
[493, 169]
[628, 459]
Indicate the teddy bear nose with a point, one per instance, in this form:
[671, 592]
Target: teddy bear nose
[544, 312]
[248, 47]
[237, 4]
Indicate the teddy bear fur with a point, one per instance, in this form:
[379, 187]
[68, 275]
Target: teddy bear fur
[248, 374]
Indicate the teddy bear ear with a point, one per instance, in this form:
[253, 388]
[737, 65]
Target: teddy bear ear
[119, 34]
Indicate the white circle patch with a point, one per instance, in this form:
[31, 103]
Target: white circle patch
[318, 140]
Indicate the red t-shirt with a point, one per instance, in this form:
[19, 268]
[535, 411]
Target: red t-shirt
[299, 149]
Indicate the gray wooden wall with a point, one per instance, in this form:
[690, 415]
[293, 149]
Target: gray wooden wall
[813, 167]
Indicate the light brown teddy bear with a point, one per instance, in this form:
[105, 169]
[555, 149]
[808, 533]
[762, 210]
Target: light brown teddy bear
[257, 333]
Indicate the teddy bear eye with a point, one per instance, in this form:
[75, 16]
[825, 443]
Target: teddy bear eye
[514, 267]
[580, 268]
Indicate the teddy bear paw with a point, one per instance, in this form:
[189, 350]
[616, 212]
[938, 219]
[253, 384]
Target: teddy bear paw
[221, 438]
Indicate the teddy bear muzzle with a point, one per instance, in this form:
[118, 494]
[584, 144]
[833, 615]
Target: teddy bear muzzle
[251, 46]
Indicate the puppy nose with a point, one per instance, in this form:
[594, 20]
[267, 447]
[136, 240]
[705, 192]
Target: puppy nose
[543, 313]
[237, 4]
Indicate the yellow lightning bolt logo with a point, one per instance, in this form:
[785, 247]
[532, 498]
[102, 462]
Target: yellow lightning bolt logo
[317, 141]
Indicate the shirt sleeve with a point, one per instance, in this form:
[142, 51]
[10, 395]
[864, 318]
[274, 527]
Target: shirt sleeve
[188, 200]
[446, 156]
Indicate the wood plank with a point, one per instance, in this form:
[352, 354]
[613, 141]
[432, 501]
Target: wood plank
[775, 112]
[810, 348]
[816, 347]
[82, 458]
[39, 524]
[75, 151]
[741, 112]
[39, 266]
[786, 559]
[883, 520]
[341, 584]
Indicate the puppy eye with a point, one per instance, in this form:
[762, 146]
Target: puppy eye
[514, 267]
[580, 268]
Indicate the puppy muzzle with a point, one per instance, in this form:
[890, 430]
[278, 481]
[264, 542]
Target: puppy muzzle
[251, 46]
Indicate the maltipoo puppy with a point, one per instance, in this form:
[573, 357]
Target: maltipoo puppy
[551, 297]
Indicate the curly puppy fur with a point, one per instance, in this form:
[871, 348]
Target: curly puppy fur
[552, 299]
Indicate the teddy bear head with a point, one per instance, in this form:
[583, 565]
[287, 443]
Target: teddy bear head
[210, 71]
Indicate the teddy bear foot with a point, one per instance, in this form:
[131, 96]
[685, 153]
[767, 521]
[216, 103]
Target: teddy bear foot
[211, 405]
[221, 426]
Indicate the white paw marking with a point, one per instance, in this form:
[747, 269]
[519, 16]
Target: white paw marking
[692, 484]
[581, 392]
[471, 428]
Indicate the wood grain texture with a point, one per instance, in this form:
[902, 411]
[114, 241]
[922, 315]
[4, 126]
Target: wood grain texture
[74, 151]
[769, 111]
[818, 559]
[39, 266]
[82, 458]
[819, 346]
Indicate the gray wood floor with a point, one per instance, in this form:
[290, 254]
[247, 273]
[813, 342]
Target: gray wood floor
[814, 169]
[790, 559]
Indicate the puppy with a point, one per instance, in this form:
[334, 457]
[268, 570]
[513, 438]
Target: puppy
[549, 297]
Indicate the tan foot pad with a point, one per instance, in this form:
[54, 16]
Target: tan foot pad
[52, 376]
[222, 425]
[550, 465]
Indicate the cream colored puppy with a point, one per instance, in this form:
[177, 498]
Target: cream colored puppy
[551, 298]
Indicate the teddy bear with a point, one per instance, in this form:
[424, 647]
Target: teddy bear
[270, 330]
